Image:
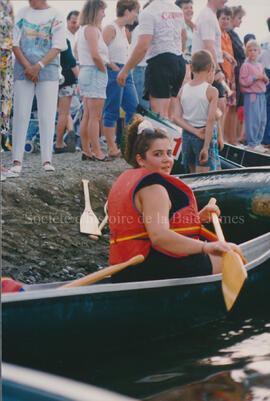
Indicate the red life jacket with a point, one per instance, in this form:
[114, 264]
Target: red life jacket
[128, 234]
[10, 285]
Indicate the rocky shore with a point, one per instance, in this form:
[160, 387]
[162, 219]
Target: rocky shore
[41, 239]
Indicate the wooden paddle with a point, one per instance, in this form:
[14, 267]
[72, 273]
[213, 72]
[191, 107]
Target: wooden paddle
[103, 223]
[234, 273]
[89, 221]
[107, 271]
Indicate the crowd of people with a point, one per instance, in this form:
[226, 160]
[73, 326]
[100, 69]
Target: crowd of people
[156, 56]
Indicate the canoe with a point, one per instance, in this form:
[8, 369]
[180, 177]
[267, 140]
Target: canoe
[22, 384]
[243, 196]
[47, 323]
[244, 157]
[230, 157]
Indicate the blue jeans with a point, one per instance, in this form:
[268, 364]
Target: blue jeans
[139, 78]
[117, 96]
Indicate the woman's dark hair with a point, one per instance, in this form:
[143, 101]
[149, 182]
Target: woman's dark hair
[123, 5]
[226, 11]
[139, 144]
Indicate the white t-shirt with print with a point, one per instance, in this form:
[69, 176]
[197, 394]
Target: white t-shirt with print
[36, 32]
[207, 28]
[164, 21]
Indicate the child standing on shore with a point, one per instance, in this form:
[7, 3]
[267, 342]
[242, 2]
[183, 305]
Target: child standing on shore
[197, 113]
[253, 81]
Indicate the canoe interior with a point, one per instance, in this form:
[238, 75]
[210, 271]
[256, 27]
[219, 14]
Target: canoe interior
[243, 196]
[46, 325]
[244, 157]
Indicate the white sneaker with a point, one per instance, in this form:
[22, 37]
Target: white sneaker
[48, 167]
[260, 148]
[16, 169]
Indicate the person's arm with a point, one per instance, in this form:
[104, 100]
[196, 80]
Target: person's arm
[91, 36]
[184, 38]
[229, 58]
[179, 120]
[210, 46]
[108, 35]
[75, 71]
[154, 204]
[18, 53]
[32, 71]
[137, 55]
[212, 96]
[246, 79]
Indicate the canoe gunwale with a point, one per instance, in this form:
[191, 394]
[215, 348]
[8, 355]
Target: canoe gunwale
[34, 381]
[40, 293]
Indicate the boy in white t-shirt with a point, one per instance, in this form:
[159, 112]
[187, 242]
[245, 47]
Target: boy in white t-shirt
[197, 114]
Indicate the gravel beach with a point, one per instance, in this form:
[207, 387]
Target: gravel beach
[41, 239]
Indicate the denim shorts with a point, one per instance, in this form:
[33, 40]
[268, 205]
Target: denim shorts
[92, 82]
[191, 148]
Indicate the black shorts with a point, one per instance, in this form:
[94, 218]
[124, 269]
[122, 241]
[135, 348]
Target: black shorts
[158, 266]
[164, 76]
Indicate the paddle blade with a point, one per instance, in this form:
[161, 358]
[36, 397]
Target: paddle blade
[234, 275]
[89, 223]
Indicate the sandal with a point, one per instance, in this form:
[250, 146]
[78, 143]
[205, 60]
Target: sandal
[118, 153]
[89, 158]
[105, 159]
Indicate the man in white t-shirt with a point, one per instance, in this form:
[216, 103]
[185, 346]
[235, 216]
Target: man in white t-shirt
[207, 35]
[72, 27]
[161, 31]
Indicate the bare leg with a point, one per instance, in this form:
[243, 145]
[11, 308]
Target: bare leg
[62, 123]
[109, 133]
[95, 107]
[230, 125]
[173, 106]
[160, 106]
[201, 169]
[85, 137]
[70, 123]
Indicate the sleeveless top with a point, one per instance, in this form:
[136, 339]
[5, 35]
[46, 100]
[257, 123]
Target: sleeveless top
[85, 57]
[195, 104]
[119, 46]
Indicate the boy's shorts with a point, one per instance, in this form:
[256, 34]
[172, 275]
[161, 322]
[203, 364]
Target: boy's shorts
[164, 76]
[191, 148]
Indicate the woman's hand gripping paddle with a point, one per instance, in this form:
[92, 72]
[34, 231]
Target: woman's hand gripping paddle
[234, 273]
[108, 271]
[89, 221]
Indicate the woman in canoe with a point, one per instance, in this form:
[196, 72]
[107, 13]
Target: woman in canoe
[155, 214]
